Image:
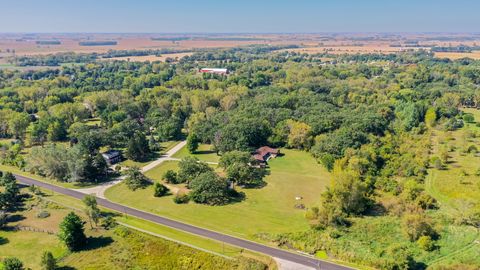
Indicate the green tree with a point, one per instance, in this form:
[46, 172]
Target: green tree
[72, 232]
[299, 134]
[170, 176]
[138, 148]
[192, 142]
[191, 167]
[12, 263]
[48, 261]
[91, 209]
[18, 124]
[135, 179]
[209, 188]
[240, 168]
[431, 117]
[56, 131]
[10, 194]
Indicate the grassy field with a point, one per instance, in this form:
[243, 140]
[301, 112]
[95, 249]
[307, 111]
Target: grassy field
[204, 153]
[457, 186]
[110, 249]
[458, 55]
[28, 246]
[267, 209]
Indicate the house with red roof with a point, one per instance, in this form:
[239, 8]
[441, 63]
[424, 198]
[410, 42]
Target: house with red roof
[264, 153]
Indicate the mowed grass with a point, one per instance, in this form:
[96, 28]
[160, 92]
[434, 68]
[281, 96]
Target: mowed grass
[456, 186]
[165, 147]
[204, 153]
[106, 250]
[268, 209]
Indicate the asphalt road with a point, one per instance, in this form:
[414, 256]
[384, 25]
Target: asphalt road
[271, 251]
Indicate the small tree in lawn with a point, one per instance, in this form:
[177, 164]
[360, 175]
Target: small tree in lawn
[170, 176]
[160, 190]
[12, 263]
[192, 142]
[72, 232]
[135, 179]
[48, 261]
[91, 209]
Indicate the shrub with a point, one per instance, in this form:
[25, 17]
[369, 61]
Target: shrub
[109, 223]
[181, 198]
[426, 243]
[468, 118]
[312, 213]
[437, 163]
[416, 225]
[48, 261]
[12, 263]
[426, 201]
[170, 177]
[472, 149]
[160, 190]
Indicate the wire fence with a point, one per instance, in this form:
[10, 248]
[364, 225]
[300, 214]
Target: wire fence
[31, 229]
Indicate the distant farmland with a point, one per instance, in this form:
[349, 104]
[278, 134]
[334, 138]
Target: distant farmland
[458, 55]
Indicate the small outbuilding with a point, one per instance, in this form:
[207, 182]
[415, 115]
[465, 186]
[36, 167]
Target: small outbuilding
[221, 71]
[112, 156]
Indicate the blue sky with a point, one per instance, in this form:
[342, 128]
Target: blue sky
[266, 16]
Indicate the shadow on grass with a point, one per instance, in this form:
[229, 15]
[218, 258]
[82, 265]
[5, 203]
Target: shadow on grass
[97, 242]
[15, 218]
[204, 152]
[65, 268]
[3, 241]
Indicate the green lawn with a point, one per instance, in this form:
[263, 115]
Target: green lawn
[450, 186]
[165, 147]
[204, 153]
[268, 209]
[157, 172]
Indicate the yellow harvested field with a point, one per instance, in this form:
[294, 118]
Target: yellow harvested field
[455, 55]
[347, 49]
[150, 58]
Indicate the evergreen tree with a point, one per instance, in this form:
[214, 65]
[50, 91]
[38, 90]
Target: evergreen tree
[72, 232]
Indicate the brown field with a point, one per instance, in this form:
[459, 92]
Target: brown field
[149, 58]
[454, 56]
[24, 44]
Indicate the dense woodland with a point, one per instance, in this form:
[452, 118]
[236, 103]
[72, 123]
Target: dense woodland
[367, 118]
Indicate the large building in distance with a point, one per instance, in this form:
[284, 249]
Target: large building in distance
[221, 71]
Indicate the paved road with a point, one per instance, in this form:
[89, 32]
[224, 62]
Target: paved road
[274, 252]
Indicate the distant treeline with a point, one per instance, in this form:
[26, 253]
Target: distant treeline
[48, 42]
[170, 38]
[97, 43]
[236, 54]
[55, 59]
[459, 49]
[62, 58]
[126, 53]
[233, 38]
